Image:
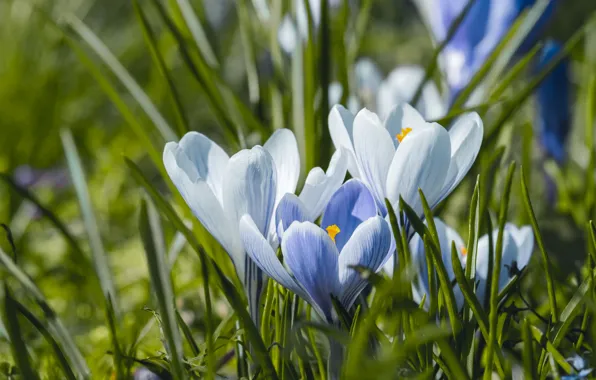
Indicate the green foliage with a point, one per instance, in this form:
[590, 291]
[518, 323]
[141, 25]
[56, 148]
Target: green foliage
[95, 286]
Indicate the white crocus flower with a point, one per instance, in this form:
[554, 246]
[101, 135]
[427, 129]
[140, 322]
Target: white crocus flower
[403, 153]
[220, 190]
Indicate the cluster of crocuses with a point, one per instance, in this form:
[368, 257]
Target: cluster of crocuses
[248, 202]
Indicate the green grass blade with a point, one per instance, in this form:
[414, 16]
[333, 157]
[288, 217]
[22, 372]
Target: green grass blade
[546, 265]
[494, 289]
[194, 347]
[324, 63]
[249, 51]
[150, 39]
[208, 322]
[227, 288]
[557, 356]
[17, 345]
[124, 76]
[198, 33]
[514, 73]
[572, 309]
[456, 368]
[57, 350]
[56, 327]
[528, 351]
[150, 229]
[99, 256]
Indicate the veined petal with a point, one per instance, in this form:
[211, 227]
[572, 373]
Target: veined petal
[209, 159]
[250, 187]
[290, 209]
[524, 240]
[374, 151]
[368, 247]
[421, 161]
[312, 257]
[202, 202]
[341, 124]
[320, 186]
[466, 138]
[351, 205]
[284, 150]
[260, 251]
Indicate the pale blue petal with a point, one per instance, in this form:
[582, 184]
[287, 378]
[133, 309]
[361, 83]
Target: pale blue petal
[312, 258]
[283, 148]
[482, 261]
[203, 203]
[250, 187]
[290, 209]
[320, 186]
[524, 240]
[341, 125]
[351, 205]
[368, 247]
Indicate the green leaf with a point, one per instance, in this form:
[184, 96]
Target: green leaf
[182, 122]
[98, 254]
[528, 351]
[494, 289]
[56, 349]
[226, 286]
[124, 76]
[456, 368]
[572, 309]
[17, 345]
[150, 229]
[545, 343]
[56, 327]
[248, 48]
[546, 265]
[197, 31]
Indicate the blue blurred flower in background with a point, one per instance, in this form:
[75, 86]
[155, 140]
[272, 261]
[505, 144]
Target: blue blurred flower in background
[553, 110]
[485, 25]
[579, 365]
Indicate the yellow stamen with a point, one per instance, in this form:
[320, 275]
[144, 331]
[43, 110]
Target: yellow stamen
[464, 251]
[333, 230]
[402, 135]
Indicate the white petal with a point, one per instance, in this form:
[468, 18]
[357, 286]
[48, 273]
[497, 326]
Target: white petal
[403, 116]
[466, 139]
[341, 124]
[374, 152]
[250, 187]
[209, 159]
[421, 161]
[482, 261]
[284, 150]
[259, 250]
[201, 200]
[524, 240]
[320, 186]
[287, 35]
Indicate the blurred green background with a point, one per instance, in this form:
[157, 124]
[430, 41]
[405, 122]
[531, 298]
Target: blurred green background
[44, 87]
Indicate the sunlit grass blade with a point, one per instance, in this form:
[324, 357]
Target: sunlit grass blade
[56, 327]
[496, 272]
[544, 342]
[198, 33]
[56, 349]
[546, 265]
[514, 73]
[17, 344]
[98, 253]
[434, 61]
[249, 51]
[228, 289]
[572, 310]
[150, 229]
[456, 368]
[124, 76]
[158, 58]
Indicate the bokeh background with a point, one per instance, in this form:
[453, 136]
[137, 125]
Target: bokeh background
[45, 87]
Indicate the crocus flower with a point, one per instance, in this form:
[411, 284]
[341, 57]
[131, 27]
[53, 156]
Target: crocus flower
[404, 153]
[518, 244]
[317, 261]
[421, 287]
[382, 95]
[553, 114]
[220, 190]
[487, 22]
[580, 369]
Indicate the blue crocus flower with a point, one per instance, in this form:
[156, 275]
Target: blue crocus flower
[317, 261]
[579, 365]
[554, 117]
[485, 25]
